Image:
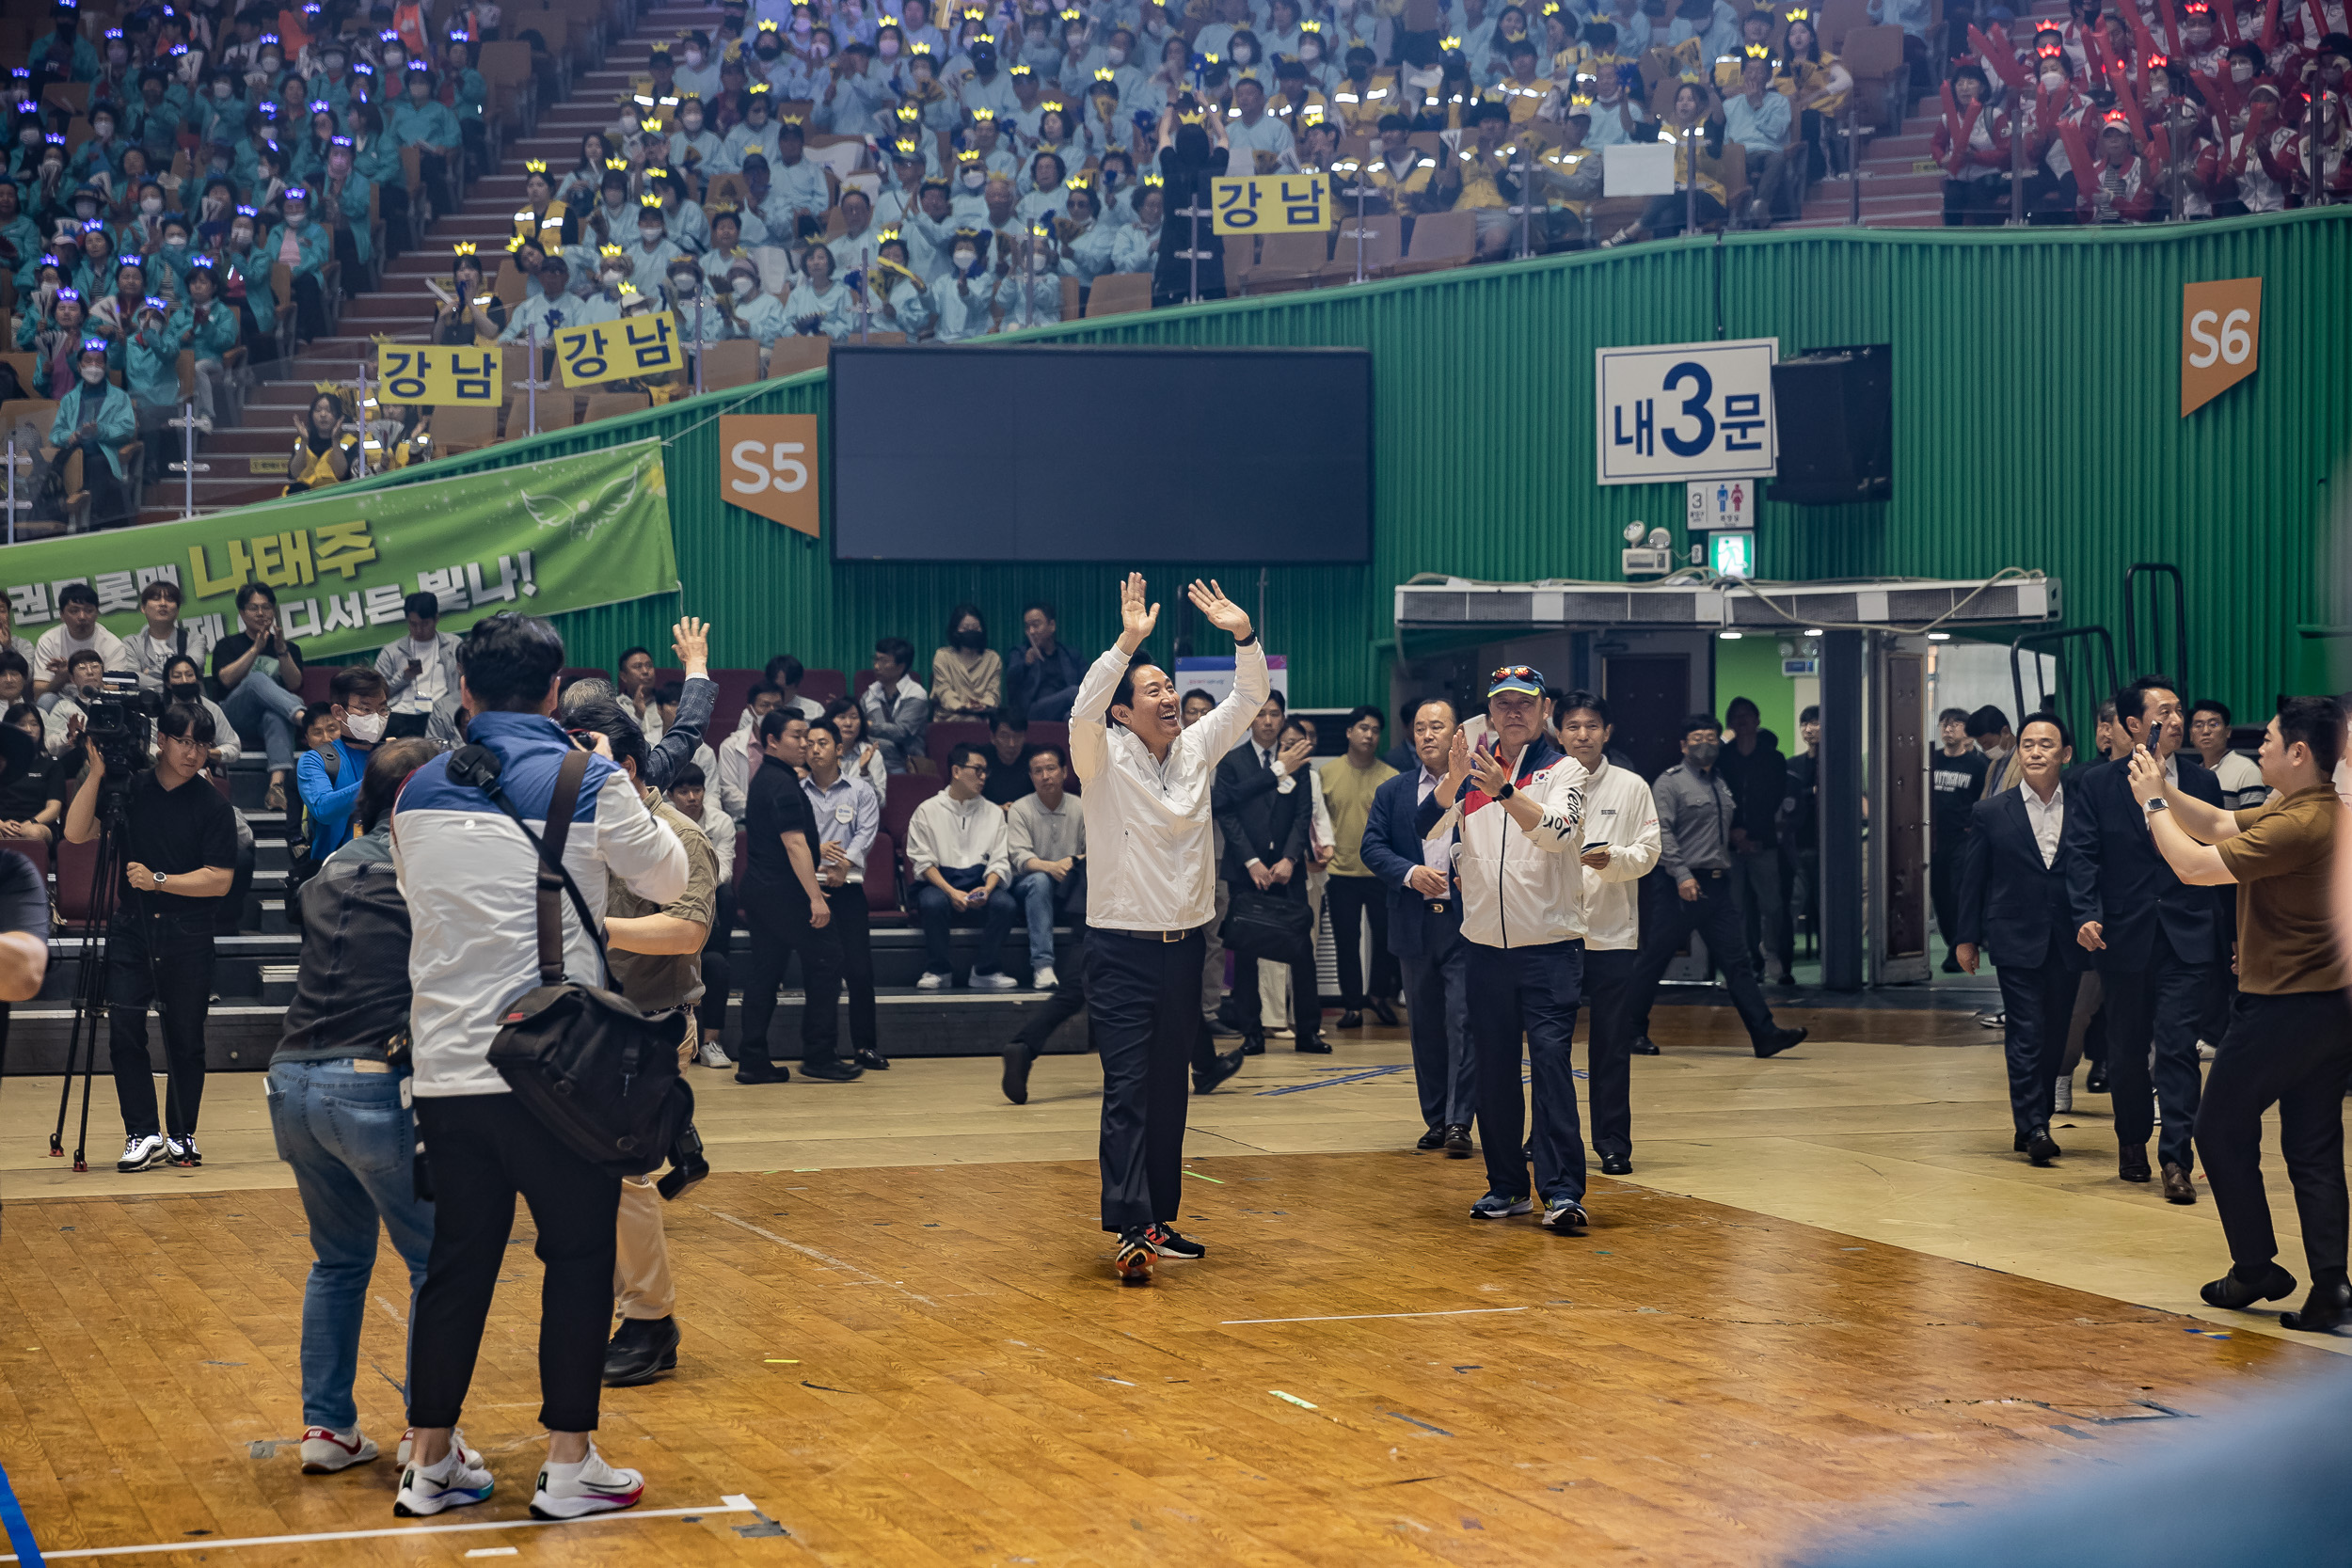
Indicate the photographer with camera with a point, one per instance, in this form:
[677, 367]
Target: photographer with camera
[656, 953]
[181, 850]
[471, 878]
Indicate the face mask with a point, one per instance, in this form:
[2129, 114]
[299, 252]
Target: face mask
[970, 642]
[686, 287]
[1703, 754]
[612, 279]
[963, 260]
[1244, 55]
[297, 221]
[2241, 73]
[220, 92]
[103, 129]
[975, 182]
[150, 205]
[241, 236]
[693, 57]
[270, 64]
[2053, 82]
[185, 691]
[887, 49]
[365, 728]
[768, 56]
[745, 286]
[800, 24]
[1309, 53]
[93, 373]
[29, 136]
[175, 241]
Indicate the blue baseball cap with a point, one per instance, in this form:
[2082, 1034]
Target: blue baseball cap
[1517, 677]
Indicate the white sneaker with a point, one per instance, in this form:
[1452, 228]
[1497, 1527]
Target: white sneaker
[181, 1151]
[325, 1450]
[142, 1153]
[2065, 1096]
[996, 981]
[1044, 980]
[426, 1489]
[932, 980]
[2205, 1052]
[591, 1486]
[712, 1054]
[2157, 1100]
[456, 1438]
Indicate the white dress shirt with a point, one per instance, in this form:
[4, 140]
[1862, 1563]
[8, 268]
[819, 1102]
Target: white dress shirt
[2047, 818]
[1148, 830]
[1436, 851]
[1618, 812]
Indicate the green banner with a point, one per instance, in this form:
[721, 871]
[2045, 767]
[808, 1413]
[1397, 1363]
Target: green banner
[568, 533]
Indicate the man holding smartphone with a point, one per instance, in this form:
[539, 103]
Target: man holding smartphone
[420, 669]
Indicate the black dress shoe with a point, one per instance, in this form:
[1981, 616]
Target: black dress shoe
[1782, 1039]
[1205, 1079]
[2097, 1081]
[1351, 1020]
[2237, 1292]
[872, 1061]
[762, 1072]
[2177, 1186]
[2132, 1164]
[1613, 1164]
[2330, 1303]
[832, 1070]
[1220, 1030]
[1252, 1042]
[1457, 1142]
[1641, 1047]
[2041, 1147]
[1017, 1063]
[1432, 1140]
[1381, 1010]
[1311, 1045]
[641, 1350]
[1951, 964]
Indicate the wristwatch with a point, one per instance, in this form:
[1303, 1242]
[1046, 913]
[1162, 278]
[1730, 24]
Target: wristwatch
[1506, 791]
[2159, 804]
[161, 878]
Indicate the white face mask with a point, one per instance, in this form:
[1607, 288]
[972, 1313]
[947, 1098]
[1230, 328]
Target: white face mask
[612, 279]
[93, 373]
[887, 49]
[963, 260]
[241, 236]
[1117, 55]
[1244, 55]
[175, 241]
[2241, 72]
[745, 286]
[150, 205]
[2052, 81]
[693, 58]
[366, 728]
[221, 91]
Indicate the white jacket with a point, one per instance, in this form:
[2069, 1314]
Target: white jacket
[1522, 889]
[957, 835]
[1618, 812]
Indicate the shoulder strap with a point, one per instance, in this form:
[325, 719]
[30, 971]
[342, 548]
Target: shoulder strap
[551, 880]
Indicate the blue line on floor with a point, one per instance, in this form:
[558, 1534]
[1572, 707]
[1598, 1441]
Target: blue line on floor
[1344, 1078]
[20, 1531]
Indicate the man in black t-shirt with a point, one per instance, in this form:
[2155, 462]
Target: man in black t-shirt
[258, 672]
[1955, 783]
[181, 850]
[784, 909]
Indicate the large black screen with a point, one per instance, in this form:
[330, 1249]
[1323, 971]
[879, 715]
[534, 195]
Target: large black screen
[1087, 453]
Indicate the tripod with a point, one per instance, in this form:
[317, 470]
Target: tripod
[89, 988]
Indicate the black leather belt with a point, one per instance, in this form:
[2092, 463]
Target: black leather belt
[1150, 936]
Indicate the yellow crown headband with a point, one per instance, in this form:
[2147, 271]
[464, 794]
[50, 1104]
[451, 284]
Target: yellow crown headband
[535, 166]
[909, 112]
[983, 117]
[887, 235]
[783, 120]
[657, 174]
[1797, 13]
[650, 127]
[1581, 100]
[611, 252]
[767, 23]
[514, 246]
[462, 248]
[1447, 46]
[617, 165]
[1311, 26]
[650, 202]
[1105, 74]
[1151, 182]
[1757, 52]
[1193, 118]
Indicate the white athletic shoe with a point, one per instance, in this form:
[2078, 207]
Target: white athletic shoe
[591, 1486]
[711, 1054]
[1045, 979]
[426, 1489]
[2205, 1051]
[458, 1440]
[325, 1450]
[995, 980]
[932, 980]
[2065, 1101]
[142, 1153]
[2157, 1100]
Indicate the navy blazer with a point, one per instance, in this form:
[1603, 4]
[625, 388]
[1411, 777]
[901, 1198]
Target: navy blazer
[2010, 904]
[1392, 848]
[2114, 874]
[1260, 819]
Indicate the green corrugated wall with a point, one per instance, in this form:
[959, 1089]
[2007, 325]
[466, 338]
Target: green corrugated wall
[2036, 414]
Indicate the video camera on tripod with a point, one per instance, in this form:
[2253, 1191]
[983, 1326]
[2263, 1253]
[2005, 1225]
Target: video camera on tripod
[120, 723]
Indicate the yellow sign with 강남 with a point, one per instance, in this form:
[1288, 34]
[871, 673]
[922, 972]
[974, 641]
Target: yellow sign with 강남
[437, 377]
[1272, 204]
[611, 351]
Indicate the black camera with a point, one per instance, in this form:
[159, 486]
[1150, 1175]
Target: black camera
[121, 724]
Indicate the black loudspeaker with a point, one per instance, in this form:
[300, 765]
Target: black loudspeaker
[1836, 415]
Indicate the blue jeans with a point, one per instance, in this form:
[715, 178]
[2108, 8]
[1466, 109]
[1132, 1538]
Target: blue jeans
[1036, 892]
[996, 922]
[258, 703]
[352, 1146]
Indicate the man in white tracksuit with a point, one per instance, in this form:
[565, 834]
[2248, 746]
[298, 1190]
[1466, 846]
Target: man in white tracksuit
[1520, 814]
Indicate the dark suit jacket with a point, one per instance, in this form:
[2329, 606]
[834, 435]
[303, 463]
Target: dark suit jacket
[2010, 904]
[1260, 821]
[1392, 848]
[2115, 875]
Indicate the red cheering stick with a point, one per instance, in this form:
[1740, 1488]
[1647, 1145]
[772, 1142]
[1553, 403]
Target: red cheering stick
[2269, 39]
[2171, 27]
[2143, 41]
[2129, 101]
[2003, 60]
[2227, 15]
[2078, 154]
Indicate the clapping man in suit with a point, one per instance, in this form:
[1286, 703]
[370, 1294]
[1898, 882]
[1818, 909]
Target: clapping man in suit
[2150, 935]
[1425, 932]
[1262, 805]
[2012, 901]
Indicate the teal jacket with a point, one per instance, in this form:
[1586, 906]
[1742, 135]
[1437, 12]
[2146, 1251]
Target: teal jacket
[84, 65]
[354, 206]
[317, 245]
[210, 339]
[432, 126]
[253, 267]
[154, 369]
[118, 422]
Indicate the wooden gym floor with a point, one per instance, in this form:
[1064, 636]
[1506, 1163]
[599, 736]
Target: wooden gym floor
[902, 1343]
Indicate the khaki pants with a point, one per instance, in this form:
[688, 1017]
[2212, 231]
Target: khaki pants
[641, 1287]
